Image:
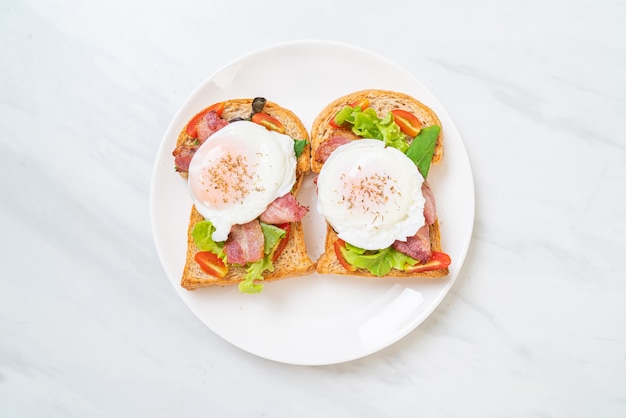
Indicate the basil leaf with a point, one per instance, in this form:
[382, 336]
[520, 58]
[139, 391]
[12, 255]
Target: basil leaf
[298, 146]
[422, 148]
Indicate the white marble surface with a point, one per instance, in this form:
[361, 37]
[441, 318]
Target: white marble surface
[535, 325]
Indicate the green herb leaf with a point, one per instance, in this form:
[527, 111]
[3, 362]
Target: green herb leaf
[422, 148]
[298, 146]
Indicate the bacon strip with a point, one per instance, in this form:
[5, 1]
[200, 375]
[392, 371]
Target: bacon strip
[430, 211]
[209, 124]
[417, 246]
[327, 147]
[284, 209]
[245, 243]
[182, 157]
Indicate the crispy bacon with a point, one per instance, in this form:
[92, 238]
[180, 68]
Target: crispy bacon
[284, 209]
[245, 243]
[417, 246]
[182, 157]
[430, 212]
[209, 124]
[327, 147]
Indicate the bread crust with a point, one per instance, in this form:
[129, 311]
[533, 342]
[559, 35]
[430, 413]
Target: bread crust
[294, 260]
[382, 101]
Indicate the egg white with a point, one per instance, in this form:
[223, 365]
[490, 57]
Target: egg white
[238, 171]
[371, 194]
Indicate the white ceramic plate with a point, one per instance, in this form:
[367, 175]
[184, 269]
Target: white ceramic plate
[315, 319]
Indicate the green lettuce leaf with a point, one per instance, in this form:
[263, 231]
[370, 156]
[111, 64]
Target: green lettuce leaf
[202, 236]
[343, 115]
[422, 148]
[367, 124]
[255, 272]
[391, 134]
[272, 235]
[379, 262]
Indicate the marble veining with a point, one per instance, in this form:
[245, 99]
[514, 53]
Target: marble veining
[535, 325]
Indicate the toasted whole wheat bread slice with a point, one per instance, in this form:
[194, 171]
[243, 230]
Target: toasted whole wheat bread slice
[294, 260]
[382, 101]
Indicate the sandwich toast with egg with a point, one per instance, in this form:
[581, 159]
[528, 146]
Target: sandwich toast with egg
[373, 150]
[251, 156]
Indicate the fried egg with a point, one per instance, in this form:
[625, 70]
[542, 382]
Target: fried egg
[371, 194]
[238, 171]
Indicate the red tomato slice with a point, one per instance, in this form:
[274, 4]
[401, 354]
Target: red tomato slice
[269, 122]
[282, 243]
[363, 103]
[437, 261]
[191, 126]
[338, 245]
[409, 123]
[211, 264]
